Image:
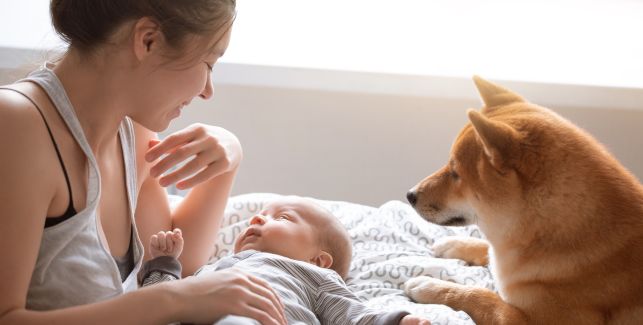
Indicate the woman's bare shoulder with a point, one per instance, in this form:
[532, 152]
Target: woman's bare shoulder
[27, 191]
[23, 134]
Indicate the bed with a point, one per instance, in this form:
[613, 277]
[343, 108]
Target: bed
[390, 246]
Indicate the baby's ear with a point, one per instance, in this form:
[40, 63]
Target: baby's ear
[323, 259]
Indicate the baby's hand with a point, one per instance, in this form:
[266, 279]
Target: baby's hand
[166, 243]
[414, 320]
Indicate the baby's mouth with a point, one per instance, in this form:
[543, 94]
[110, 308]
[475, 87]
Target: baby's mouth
[251, 234]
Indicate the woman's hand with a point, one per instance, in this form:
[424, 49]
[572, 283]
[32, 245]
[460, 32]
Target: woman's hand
[208, 151]
[414, 320]
[210, 297]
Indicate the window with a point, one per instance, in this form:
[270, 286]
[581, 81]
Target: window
[594, 42]
[590, 42]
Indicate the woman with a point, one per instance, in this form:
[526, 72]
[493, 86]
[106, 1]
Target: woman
[83, 173]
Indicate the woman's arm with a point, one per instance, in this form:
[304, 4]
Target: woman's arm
[26, 192]
[200, 212]
[195, 300]
[153, 305]
[199, 216]
[30, 172]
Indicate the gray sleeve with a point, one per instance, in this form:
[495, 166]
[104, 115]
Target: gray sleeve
[337, 305]
[391, 318]
[160, 269]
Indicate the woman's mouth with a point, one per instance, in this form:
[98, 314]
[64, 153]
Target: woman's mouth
[176, 112]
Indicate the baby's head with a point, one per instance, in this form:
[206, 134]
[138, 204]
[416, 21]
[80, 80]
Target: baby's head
[300, 229]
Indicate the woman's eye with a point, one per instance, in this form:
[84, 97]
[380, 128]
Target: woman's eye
[282, 217]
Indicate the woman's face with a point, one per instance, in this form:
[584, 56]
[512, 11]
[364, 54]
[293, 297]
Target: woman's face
[165, 88]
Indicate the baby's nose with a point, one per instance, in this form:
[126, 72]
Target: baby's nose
[257, 220]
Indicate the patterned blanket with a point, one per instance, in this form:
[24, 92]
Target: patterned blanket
[390, 245]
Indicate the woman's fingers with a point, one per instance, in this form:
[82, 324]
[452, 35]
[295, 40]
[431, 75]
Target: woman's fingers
[229, 292]
[193, 166]
[152, 143]
[168, 144]
[258, 293]
[262, 310]
[175, 157]
[263, 317]
[264, 290]
[210, 171]
[204, 165]
[275, 296]
[206, 151]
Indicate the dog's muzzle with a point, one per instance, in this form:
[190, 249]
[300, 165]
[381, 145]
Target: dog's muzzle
[411, 196]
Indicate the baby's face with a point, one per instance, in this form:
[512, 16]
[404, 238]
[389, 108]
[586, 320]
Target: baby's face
[285, 228]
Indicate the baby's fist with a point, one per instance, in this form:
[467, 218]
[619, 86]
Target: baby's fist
[166, 243]
[414, 320]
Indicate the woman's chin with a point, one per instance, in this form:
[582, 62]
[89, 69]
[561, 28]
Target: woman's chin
[153, 125]
[175, 113]
[162, 125]
[159, 127]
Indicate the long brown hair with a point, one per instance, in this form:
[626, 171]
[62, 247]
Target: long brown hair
[87, 24]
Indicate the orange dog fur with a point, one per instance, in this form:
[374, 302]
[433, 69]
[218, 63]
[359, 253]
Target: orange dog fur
[563, 220]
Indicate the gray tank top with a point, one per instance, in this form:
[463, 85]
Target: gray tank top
[73, 265]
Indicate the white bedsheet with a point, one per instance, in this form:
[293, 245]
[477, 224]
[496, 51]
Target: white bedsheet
[390, 246]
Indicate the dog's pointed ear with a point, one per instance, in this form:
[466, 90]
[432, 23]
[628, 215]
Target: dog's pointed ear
[494, 95]
[499, 140]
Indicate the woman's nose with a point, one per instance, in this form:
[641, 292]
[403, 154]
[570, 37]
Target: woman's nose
[257, 220]
[208, 90]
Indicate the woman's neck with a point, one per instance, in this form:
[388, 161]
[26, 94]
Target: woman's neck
[97, 95]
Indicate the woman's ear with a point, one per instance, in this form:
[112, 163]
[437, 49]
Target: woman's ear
[323, 259]
[147, 37]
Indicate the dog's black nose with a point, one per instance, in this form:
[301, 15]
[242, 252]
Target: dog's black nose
[410, 195]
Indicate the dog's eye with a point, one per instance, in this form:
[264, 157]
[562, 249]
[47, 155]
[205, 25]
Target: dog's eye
[454, 175]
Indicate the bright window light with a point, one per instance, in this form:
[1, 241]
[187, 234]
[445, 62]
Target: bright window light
[561, 41]
[587, 42]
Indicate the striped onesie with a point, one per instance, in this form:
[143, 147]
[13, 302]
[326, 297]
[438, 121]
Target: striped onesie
[310, 294]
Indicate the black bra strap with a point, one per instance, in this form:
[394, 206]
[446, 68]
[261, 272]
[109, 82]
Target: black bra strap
[60, 158]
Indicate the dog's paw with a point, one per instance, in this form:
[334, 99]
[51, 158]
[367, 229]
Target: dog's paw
[427, 290]
[474, 251]
[449, 247]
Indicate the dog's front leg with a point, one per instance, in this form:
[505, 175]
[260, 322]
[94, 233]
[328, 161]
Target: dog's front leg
[483, 305]
[474, 251]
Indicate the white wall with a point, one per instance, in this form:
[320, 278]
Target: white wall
[368, 138]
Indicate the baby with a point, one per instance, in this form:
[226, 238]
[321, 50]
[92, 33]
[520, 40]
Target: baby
[298, 247]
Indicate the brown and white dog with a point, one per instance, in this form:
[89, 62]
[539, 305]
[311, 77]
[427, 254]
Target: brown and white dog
[563, 220]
